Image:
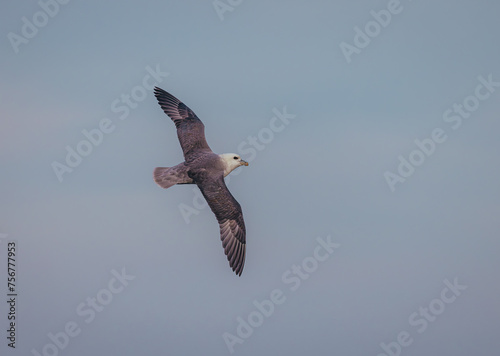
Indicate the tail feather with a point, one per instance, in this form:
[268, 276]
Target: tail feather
[166, 177]
[160, 175]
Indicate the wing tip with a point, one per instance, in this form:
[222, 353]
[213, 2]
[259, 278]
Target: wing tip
[159, 92]
[239, 261]
[234, 245]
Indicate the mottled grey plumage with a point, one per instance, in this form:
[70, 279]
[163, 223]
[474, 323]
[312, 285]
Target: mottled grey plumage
[207, 170]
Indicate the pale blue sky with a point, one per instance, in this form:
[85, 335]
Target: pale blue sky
[323, 174]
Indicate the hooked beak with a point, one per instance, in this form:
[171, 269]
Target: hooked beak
[244, 163]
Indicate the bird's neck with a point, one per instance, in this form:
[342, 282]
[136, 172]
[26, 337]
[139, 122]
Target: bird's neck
[228, 167]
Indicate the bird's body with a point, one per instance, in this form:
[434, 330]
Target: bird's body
[207, 170]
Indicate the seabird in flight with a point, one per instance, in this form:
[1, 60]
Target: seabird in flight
[207, 170]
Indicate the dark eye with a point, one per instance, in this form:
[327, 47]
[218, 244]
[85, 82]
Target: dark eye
[235, 157]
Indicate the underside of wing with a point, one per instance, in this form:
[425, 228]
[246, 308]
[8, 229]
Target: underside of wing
[190, 129]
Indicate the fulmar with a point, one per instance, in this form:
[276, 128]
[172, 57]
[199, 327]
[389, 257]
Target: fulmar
[207, 170]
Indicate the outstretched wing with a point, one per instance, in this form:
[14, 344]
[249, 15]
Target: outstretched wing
[228, 213]
[190, 129]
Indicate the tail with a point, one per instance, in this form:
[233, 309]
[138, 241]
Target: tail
[166, 177]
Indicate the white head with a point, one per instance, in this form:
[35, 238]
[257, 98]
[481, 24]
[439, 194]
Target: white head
[232, 161]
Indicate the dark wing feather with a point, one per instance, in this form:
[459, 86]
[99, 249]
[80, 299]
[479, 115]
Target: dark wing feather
[228, 213]
[190, 129]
